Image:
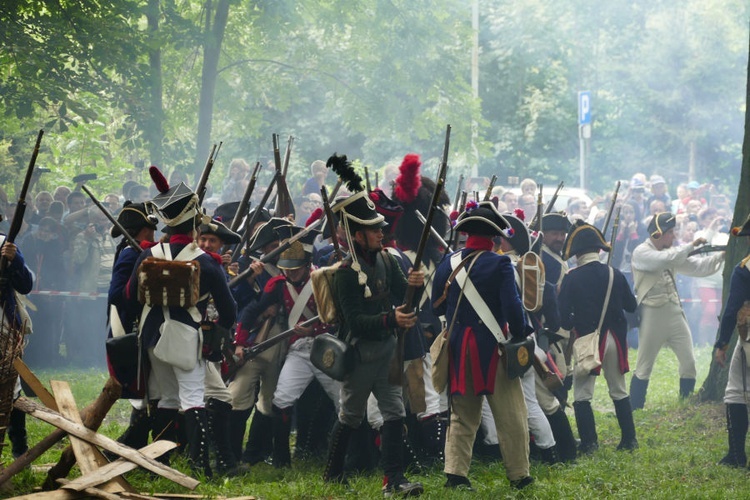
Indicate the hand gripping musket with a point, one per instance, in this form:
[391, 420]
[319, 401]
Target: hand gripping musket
[254, 219]
[613, 239]
[131, 241]
[17, 222]
[201, 188]
[271, 255]
[553, 200]
[433, 232]
[488, 193]
[331, 223]
[611, 208]
[243, 208]
[395, 374]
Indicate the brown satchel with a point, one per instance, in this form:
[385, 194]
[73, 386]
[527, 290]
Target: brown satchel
[163, 282]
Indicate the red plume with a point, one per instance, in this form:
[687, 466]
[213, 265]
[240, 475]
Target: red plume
[454, 215]
[408, 181]
[520, 214]
[317, 214]
[160, 181]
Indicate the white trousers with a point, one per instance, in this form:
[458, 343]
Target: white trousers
[179, 389]
[215, 386]
[538, 423]
[583, 385]
[298, 372]
[660, 326]
[738, 384]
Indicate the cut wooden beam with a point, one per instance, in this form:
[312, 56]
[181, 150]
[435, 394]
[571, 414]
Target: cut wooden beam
[78, 430]
[36, 385]
[89, 458]
[95, 492]
[118, 467]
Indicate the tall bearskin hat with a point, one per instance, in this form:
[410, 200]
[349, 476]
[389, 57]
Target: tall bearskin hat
[583, 238]
[133, 216]
[414, 192]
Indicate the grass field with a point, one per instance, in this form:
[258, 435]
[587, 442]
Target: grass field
[680, 443]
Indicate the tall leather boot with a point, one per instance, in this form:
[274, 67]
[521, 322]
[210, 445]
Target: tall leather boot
[362, 453]
[586, 427]
[566, 442]
[196, 428]
[549, 455]
[282, 427]
[17, 433]
[165, 427]
[686, 387]
[334, 471]
[259, 439]
[136, 435]
[638, 389]
[237, 424]
[737, 431]
[218, 413]
[624, 414]
[392, 442]
[433, 439]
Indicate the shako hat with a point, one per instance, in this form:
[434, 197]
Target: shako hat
[660, 224]
[583, 238]
[299, 253]
[218, 228]
[743, 230]
[175, 205]
[133, 216]
[556, 221]
[266, 233]
[482, 218]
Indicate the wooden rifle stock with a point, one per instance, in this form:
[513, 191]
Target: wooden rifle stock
[263, 345]
[287, 154]
[200, 190]
[609, 212]
[488, 193]
[536, 222]
[244, 206]
[17, 222]
[553, 200]
[456, 234]
[613, 239]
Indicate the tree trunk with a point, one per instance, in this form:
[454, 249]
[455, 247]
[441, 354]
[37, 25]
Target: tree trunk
[716, 381]
[214, 36]
[155, 129]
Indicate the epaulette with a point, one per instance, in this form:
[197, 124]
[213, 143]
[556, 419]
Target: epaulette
[743, 262]
[271, 284]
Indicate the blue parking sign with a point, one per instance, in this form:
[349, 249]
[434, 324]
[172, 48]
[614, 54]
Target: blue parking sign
[584, 108]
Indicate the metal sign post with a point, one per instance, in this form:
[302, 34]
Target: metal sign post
[584, 130]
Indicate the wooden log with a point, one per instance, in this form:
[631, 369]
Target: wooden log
[109, 444]
[89, 457]
[92, 417]
[118, 467]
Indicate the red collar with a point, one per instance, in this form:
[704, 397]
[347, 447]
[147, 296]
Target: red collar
[180, 239]
[477, 242]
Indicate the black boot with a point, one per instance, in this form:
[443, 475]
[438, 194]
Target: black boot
[165, 427]
[362, 453]
[282, 426]
[17, 433]
[549, 455]
[586, 427]
[136, 435]
[686, 387]
[196, 428]
[566, 442]
[219, 413]
[334, 472]
[432, 430]
[638, 389]
[460, 483]
[392, 441]
[627, 427]
[237, 424]
[259, 439]
[737, 431]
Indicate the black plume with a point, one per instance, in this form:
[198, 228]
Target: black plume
[346, 173]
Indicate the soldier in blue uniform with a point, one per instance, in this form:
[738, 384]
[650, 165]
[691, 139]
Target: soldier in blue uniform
[556, 226]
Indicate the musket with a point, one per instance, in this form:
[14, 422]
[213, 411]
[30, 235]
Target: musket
[331, 222]
[611, 207]
[253, 351]
[433, 232]
[273, 254]
[397, 364]
[200, 190]
[17, 222]
[254, 219]
[458, 192]
[287, 154]
[553, 200]
[243, 207]
[613, 239]
[377, 181]
[488, 193]
[536, 222]
[131, 241]
[335, 190]
[367, 180]
[456, 234]
[707, 249]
